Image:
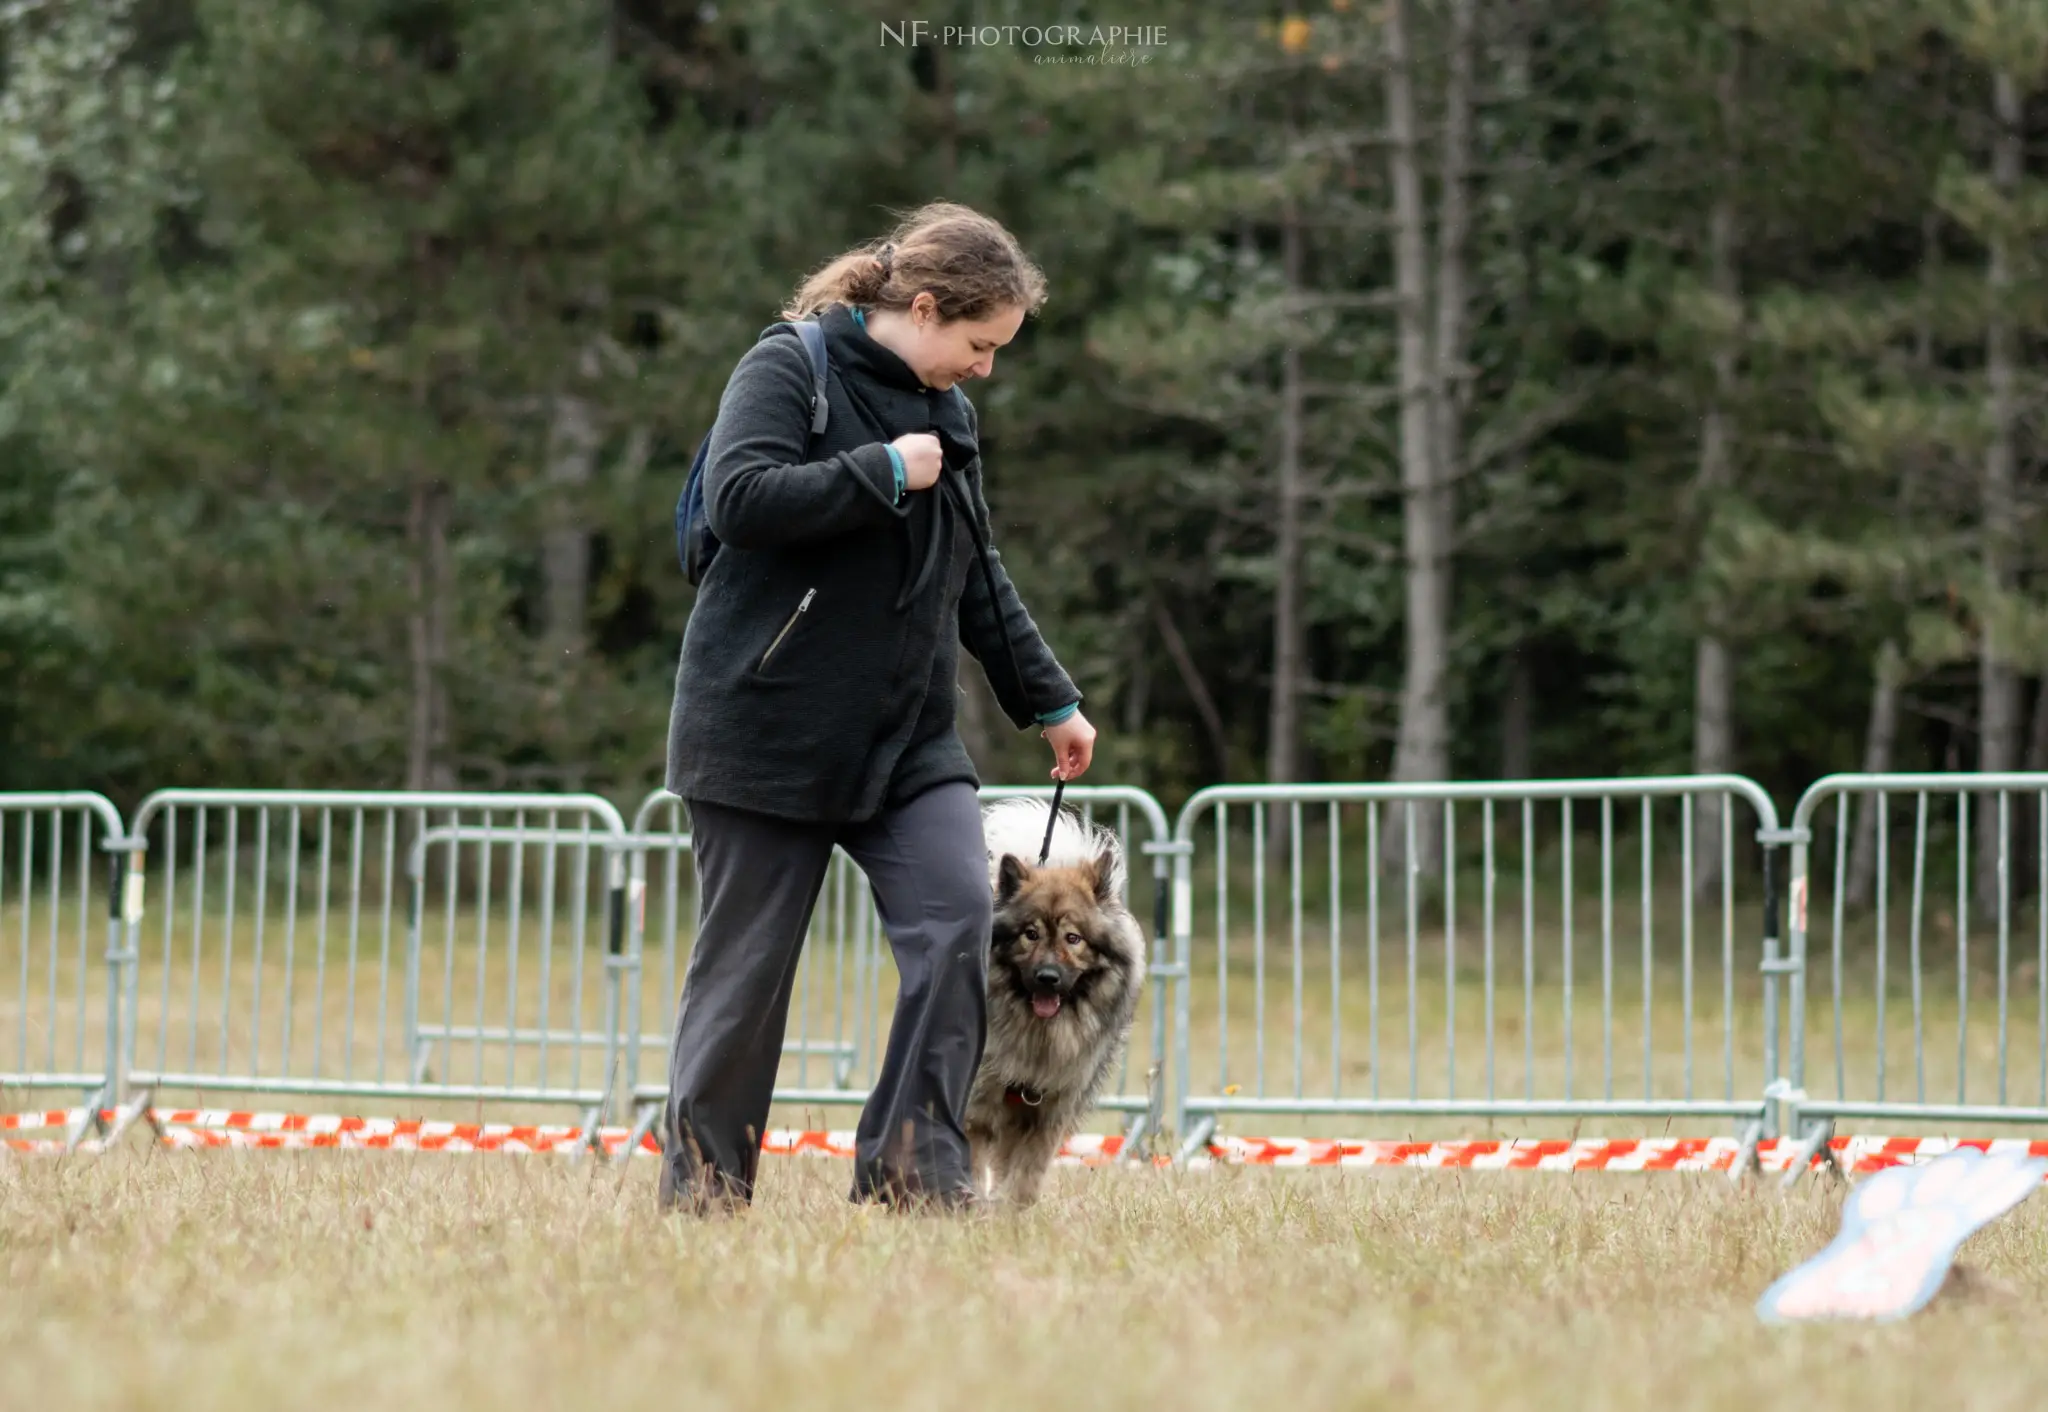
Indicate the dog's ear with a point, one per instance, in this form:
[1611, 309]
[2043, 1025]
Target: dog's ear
[1103, 867]
[1011, 876]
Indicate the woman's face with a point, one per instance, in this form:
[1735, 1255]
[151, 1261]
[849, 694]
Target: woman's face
[941, 353]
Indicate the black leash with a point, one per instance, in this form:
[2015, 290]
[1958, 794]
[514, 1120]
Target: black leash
[1059, 787]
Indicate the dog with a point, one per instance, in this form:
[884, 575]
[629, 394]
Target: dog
[1066, 964]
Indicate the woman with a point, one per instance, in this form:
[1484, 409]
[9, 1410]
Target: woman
[815, 701]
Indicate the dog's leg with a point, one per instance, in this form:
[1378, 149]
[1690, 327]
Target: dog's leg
[1030, 1157]
[981, 1160]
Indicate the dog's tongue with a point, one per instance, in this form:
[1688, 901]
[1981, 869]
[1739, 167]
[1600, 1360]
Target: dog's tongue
[1045, 1006]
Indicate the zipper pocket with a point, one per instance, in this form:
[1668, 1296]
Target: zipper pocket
[801, 609]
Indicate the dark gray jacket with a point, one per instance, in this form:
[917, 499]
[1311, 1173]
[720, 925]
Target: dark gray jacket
[817, 679]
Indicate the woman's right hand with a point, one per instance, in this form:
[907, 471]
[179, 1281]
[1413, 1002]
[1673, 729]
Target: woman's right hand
[922, 459]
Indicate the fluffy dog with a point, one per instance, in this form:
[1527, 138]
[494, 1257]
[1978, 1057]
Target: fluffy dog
[1066, 963]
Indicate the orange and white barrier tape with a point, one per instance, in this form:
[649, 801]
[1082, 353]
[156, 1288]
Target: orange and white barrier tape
[526, 1141]
[222, 1128]
[1081, 1150]
[1856, 1155]
[32, 1122]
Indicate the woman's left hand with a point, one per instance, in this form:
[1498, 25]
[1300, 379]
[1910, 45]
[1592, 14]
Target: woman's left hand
[1073, 747]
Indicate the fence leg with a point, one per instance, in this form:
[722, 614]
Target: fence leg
[1747, 1164]
[1814, 1142]
[1198, 1140]
[1145, 1127]
[1135, 1136]
[593, 1135]
[643, 1128]
[89, 1121]
[141, 1106]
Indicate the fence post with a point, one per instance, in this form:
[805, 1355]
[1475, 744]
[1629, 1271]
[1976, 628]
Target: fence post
[1183, 960]
[133, 905]
[121, 953]
[1167, 1003]
[636, 949]
[617, 962]
[1782, 1037]
[1162, 1005]
[416, 864]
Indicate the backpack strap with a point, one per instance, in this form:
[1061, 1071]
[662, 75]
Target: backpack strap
[813, 335]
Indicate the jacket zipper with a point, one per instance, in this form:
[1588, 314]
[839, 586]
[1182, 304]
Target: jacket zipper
[801, 609]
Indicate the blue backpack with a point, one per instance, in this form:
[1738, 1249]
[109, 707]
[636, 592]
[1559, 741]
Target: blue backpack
[695, 543]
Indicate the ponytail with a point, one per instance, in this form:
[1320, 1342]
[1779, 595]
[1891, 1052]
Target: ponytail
[966, 261]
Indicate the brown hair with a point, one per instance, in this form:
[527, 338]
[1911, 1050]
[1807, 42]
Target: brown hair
[965, 260]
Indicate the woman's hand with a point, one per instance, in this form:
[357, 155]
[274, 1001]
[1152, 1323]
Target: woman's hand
[1073, 747]
[922, 459]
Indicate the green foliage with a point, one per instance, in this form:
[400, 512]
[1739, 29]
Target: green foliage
[272, 270]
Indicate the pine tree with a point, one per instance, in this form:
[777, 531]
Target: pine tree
[407, 236]
[86, 108]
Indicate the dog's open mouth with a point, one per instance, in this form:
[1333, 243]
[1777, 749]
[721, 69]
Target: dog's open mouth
[1045, 1006]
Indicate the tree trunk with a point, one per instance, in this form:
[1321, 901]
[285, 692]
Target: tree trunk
[565, 545]
[1453, 235]
[1518, 708]
[1517, 718]
[1283, 716]
[2037, 735]
[1713, 738]
[2026, 808]
[574, 437]
[427, 761]
[1197, 689]
[949, 120]
[1880, 742]
[1137, 701]
[1998, 685]
[1422, 749]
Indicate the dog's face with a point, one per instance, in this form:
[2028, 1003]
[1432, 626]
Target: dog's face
[1055, 945]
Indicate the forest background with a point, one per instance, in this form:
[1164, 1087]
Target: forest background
[1428, 388]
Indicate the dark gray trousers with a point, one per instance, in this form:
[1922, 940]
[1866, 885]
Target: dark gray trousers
[758, 879]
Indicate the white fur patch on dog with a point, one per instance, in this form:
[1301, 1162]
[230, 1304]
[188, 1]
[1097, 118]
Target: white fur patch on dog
[1017, 826]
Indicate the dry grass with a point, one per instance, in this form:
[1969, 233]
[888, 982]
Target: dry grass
[224, 1281]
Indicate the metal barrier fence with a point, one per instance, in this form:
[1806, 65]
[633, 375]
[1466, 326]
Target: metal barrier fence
[1340, 1051]
[843, 993]
[335, 944]
[59, 1006]
[1901, 1030]
[1562, 957]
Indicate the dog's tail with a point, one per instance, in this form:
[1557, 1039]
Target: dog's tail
[1017, 827]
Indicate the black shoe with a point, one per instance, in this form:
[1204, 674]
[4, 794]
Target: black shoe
[949, 1202]
[676, 1196]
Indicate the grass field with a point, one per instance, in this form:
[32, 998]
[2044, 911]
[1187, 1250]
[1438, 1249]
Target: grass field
[267, 1281]
[147, 1279]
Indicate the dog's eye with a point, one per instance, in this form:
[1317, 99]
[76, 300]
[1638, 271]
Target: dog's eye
[1031, 934]
[1076, 939]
